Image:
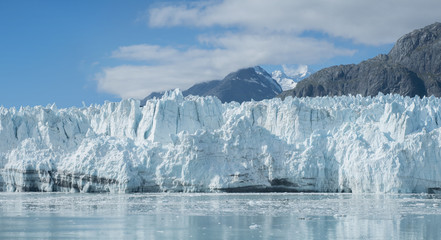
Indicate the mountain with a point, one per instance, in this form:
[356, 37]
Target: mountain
[246, 84]
[243, 85]
[200, 89]
[174, 144]
[290, 82]
[412, 68]
[284, 81]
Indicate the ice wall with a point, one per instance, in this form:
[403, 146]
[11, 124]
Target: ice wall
[381, 144]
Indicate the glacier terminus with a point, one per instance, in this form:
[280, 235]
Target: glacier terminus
[382, 144]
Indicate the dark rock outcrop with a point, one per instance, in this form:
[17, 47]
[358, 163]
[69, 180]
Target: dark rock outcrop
[412, 68]
[243, 85]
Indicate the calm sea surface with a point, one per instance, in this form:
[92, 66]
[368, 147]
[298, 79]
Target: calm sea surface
[219, 216]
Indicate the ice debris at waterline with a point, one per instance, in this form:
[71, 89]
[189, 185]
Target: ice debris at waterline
[197, 144]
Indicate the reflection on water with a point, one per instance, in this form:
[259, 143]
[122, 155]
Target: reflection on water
[219, 216]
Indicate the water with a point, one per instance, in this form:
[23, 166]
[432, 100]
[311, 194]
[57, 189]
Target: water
[219, 216]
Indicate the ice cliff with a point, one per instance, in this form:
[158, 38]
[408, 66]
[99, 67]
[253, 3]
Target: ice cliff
[351, 143]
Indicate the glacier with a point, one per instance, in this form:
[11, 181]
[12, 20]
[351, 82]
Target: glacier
[382, 144]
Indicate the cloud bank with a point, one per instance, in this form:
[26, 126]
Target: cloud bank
[257, 32]
[295, 71]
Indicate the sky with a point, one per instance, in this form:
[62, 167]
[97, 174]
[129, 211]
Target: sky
[86, 52]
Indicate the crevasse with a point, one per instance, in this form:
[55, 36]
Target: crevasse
[194, 144]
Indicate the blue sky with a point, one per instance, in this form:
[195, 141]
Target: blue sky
[69, 52]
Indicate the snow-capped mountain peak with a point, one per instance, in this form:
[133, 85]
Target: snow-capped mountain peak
[283, 80]
[289, 77]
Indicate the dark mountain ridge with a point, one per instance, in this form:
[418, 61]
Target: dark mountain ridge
[412, 68]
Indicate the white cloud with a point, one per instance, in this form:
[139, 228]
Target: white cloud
[295, 71]
[369, 22]
[137, 81]
[257, 32]
[167, 68]
[145, 52]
